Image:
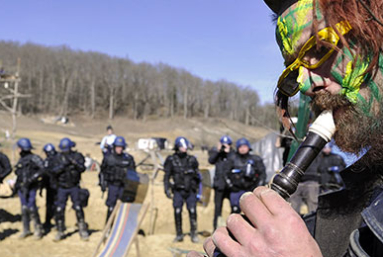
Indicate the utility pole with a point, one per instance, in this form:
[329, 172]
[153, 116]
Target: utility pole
[9, 101]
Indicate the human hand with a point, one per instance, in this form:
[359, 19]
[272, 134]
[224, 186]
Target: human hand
[275, 230]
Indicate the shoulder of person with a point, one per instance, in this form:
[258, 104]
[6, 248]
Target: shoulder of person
[3, 157]
[256, 157]
[128, 156]
[192, 157]
[78, 155]
[37, 159]
[213, 149]
[169, 158]
[108, 158]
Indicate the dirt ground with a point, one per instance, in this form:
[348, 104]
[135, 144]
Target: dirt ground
[86, 133]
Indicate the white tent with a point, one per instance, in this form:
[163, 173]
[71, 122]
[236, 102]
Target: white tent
[271, 155]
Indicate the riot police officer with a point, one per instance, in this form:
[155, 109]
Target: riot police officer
[114, 169]
[5, 167]
[220, 156]
[50, 182]
[29, 171]
[68, 175]
[182, 168]
[245, 172]
[329, 167]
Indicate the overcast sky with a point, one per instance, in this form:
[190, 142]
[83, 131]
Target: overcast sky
[213, 39]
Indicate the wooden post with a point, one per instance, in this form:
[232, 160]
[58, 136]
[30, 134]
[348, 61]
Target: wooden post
[14, 110]
[137, 247]
[152, 201]
[10, 102]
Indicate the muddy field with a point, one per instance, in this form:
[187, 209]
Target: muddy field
[87, 133]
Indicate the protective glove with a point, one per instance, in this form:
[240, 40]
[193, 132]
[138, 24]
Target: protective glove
[65, 161]
[228, 183]
[103, 187]
[168, 193]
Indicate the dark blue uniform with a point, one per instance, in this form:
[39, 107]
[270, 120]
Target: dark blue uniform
[244, 173]
[68, 171]
[29, 171]
[51, 163]
[221, 190]
[329, 167]
[5, 167]
[114, 169]
[183, 170]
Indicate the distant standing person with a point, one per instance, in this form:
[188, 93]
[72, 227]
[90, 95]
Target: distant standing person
[68, 175]
[29, 171]
[5, 167]
[182, 168]
[107, 141]
[245, 172]
[114, 169]
[219, 157]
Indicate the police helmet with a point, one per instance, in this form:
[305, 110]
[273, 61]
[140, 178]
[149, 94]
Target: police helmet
[49, 148]
[24, 144]
[226, 140]
[66, 144]
[241, 142]
[181, 142]
[120, 141]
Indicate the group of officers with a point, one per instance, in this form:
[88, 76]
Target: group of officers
[236, 171]
[60, 175]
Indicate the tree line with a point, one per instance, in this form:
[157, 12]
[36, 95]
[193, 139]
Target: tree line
[63, 81]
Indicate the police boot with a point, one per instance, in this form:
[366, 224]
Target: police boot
[36, 220]
[193, 225]
[60, 224]
[110, 210]
[178, 221]
[25, 220]
[82, 226]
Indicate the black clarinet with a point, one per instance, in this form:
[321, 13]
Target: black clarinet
[320, 133]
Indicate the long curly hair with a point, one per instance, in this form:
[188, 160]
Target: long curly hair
[366, 19]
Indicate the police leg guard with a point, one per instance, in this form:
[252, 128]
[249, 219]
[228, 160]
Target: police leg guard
[109, 212]
[38, 233]
[49, 214]
[193, 225]
[60, 223]
[178, 222]
[25, 220]
[82, 226]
